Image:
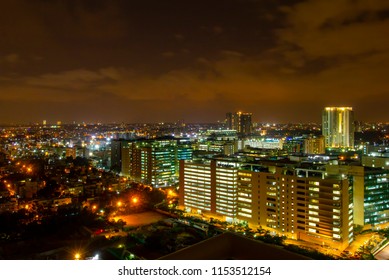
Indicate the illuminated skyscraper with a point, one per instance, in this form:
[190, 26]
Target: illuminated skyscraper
[241, 122]
[151, 161]
[338, 127]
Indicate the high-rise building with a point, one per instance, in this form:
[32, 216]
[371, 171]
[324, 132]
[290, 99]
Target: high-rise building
[370, 192]
[153, 161]
[209, 186]
[301, 203]
[294, 145]
[239, 121]
[116, 155]
[314, 145]
[338, 127]
[157, 162]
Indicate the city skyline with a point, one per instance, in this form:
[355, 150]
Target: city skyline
[149, 62]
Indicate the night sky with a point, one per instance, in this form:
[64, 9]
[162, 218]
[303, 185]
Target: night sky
[192, 60]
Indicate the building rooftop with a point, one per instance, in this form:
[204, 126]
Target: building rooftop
[231, 246]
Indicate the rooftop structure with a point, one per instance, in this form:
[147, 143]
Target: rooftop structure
[230, 246]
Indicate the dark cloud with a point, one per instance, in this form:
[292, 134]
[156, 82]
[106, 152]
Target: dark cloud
[194, 60]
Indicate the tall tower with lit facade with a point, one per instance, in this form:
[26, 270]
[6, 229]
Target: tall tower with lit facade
[239, 121]
[150, 161]
[338, 127]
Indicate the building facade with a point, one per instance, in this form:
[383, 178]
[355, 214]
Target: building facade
[314, 145]
[338, 127]
[296, 202]
[264, 143]
[239, 121]
[198, 191]
[154, 161]
[370, 192]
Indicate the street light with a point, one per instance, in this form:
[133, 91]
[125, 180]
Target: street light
[134, 200]
[77, 256]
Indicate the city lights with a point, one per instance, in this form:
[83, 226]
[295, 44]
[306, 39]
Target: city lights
[175, 130]
[299, 178]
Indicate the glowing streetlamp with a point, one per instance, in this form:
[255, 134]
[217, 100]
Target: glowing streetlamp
[134, 200]
[119, 203]
[77, 256]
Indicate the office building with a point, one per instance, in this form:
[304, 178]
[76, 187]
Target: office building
[314, 145]
[218, 142]
[294, 145]
[338, 127]
[116, 155]
[220, 135]
[218, 147]
[157, 162]
[239, 121]
[370, 192]
[376, 161]
[150, 161]
[301, 203]
[376, 156]
[199, 185]
[263, 143]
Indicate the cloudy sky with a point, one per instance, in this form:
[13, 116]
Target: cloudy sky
[192, 60]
